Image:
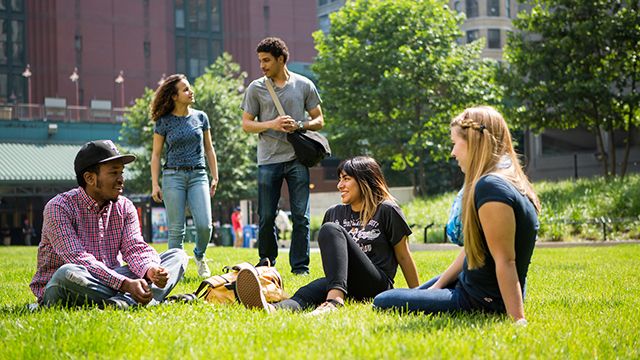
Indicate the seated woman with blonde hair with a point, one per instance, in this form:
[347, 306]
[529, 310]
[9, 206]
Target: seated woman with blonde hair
[499, 223]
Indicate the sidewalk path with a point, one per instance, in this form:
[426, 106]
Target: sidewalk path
[284, 245]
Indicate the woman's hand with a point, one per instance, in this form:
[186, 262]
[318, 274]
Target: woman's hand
[156, 193]
[214, 186]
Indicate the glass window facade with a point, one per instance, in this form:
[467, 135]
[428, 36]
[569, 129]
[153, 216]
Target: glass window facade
[13, 57]
[198, 35]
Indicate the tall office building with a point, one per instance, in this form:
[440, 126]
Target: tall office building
[142, 38]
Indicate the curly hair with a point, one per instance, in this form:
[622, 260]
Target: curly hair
[274, 46]
[163, 102]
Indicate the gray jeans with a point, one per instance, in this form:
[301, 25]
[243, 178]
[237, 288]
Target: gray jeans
[73, 285]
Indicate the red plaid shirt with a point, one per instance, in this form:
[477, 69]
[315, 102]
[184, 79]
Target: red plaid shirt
[76, 231]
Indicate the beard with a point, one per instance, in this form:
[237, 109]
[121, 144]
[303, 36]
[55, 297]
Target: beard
[108, 198]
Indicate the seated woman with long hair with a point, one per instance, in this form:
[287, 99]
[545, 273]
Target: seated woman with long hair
[499, 224]
[362, 241]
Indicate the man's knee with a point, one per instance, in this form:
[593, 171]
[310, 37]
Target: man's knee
[175, 253]
[69, 273]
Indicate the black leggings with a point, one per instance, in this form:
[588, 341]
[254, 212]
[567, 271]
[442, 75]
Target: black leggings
[346, 268]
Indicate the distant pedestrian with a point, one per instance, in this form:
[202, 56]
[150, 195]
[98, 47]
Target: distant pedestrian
[27, 232]
[86, 234]
[184, 174]
[276, 158]
[499, 225]
[282, 224]
[236, 224]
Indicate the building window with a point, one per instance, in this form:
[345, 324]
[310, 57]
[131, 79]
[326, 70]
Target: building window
[181, 65]
[322, 2]
[456, 6]
[16, 5]
[472, 35]
[215, 17]
[493, 39]
[493, 7]
[13, 57]
[472, 8]
[4, 87]
[507, 4]
[4, 36]
[198, 35]
[179, 14]
[17, 41]
[324, 23]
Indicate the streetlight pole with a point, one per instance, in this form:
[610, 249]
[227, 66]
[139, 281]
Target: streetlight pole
[120, 80]
[75, 77]
[27, 74]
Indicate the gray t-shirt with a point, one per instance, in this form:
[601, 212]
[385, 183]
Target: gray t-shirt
[298, 96]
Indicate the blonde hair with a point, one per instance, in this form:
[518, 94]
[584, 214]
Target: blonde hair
[373, 187]
[488, 143]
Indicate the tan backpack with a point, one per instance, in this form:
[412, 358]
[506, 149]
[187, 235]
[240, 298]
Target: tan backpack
[220, 289]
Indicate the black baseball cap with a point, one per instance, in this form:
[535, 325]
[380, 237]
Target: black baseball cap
[97, 152]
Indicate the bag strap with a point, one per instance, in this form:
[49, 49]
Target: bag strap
[274, 97]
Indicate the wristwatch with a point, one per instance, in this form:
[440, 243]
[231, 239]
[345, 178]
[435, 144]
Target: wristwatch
[300, 125]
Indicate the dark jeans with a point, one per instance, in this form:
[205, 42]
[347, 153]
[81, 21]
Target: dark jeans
[346, 268]
[452, 298]
[270, 179]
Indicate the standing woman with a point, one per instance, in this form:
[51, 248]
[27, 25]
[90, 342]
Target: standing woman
[184, 175]
[362, 241]
[499, 224]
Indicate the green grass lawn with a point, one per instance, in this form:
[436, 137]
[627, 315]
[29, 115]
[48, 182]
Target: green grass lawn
[582, 302]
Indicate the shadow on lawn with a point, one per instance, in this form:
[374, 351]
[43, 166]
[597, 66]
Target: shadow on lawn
[434, 322]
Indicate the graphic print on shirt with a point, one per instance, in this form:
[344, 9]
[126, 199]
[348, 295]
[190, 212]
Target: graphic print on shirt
[363, 237]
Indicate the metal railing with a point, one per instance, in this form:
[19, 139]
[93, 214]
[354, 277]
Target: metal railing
[607, 225]
[69, 113]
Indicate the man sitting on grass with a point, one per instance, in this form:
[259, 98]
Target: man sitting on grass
[86, 233]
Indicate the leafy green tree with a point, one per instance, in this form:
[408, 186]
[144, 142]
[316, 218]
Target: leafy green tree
[575, 63]
[392, 75]
[219, 94]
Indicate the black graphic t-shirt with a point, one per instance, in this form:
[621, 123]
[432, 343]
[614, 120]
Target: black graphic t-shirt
[385, 229]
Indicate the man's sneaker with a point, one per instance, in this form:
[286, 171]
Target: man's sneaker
[116, 302]
[300, 272]
[266, 262]
[203, 268]
[249, 290]
[326, 307]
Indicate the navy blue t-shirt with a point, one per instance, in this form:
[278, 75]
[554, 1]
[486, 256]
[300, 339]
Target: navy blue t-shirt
[482, 283]
[183, 136]
[385, 229]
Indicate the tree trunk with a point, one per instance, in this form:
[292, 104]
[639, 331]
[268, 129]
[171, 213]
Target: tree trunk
[601, 152]
[612, 151]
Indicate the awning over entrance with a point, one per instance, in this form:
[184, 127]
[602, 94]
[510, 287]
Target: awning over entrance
[42, 163]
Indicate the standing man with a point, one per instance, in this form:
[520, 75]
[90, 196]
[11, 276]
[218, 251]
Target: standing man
[276, 158]
[86, 233]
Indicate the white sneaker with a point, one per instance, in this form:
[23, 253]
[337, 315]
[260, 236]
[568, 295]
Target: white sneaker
[203, 268]
[326, 307]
